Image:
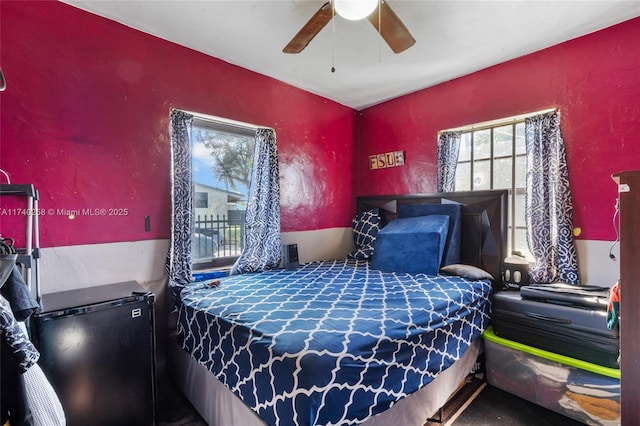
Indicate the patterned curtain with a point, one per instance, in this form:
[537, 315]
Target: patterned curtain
[549, 211]
[262, 222]
[179, 260]
[448, 148]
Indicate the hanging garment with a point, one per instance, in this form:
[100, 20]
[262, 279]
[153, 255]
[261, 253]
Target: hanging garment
[43, 401]
[14, 406]
[17, 293]
[20, 347]
[17, 355]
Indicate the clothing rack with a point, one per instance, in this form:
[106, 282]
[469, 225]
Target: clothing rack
[30, 255]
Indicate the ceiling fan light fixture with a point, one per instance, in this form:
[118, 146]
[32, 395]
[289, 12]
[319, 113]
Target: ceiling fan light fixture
[355, 10]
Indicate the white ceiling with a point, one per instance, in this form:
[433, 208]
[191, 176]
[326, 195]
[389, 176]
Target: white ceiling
[453, 38]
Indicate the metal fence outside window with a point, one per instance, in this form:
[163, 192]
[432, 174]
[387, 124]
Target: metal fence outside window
[216, 237]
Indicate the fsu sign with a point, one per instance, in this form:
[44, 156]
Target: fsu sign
[389, 159]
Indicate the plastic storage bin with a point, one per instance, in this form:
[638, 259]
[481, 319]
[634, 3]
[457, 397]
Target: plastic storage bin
[577, 389]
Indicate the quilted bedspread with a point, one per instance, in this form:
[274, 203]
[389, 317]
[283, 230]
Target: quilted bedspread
[331, 343]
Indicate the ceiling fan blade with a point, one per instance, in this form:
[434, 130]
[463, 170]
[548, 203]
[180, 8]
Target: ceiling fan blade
[317, 22]
[391, 28]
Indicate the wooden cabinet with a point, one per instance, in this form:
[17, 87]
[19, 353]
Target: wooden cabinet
[629, 196]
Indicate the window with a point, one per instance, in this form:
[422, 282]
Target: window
[494, 157]
[222, 157]
[201, 200]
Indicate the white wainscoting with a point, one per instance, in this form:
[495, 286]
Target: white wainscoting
[594, 263]
[321, 244]
[70, 267]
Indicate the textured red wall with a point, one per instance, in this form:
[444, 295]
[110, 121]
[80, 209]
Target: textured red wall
[86, 113]
[594, 81]
[85, 118]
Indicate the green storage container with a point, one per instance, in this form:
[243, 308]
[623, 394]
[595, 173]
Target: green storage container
[580, 390]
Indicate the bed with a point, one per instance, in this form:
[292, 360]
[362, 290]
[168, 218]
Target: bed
[343, 342]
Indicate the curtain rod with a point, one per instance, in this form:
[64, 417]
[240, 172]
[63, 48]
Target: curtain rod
[492, 123]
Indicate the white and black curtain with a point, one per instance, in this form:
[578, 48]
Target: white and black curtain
[448, 149]
[549, 211]
[262, 222]
[179, 263]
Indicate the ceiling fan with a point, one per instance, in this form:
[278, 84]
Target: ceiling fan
[379, 13]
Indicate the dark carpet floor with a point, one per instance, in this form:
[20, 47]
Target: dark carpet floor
[491, 407]
[174, 409]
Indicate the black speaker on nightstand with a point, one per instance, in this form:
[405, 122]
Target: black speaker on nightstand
[290, 256]
[515, 272]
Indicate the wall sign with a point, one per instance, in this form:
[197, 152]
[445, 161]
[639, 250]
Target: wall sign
[389, 159]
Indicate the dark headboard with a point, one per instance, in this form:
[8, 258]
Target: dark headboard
[484, 223]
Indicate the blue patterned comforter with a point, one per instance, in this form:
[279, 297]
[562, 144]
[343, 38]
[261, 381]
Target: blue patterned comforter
[330, 342]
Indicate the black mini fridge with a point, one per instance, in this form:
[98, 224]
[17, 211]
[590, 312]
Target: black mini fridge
[97, 348]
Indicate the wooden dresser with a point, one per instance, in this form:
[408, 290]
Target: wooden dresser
[629, 196]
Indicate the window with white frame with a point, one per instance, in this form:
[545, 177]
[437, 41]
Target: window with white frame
[494, 157]
[222, 158]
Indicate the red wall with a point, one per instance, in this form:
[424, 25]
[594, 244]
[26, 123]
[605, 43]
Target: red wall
[86, 113]
[85, 118]
[594, 81]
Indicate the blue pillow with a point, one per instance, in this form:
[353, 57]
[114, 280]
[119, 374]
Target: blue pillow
[452, 245]
[365, 230]
[412, 245]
